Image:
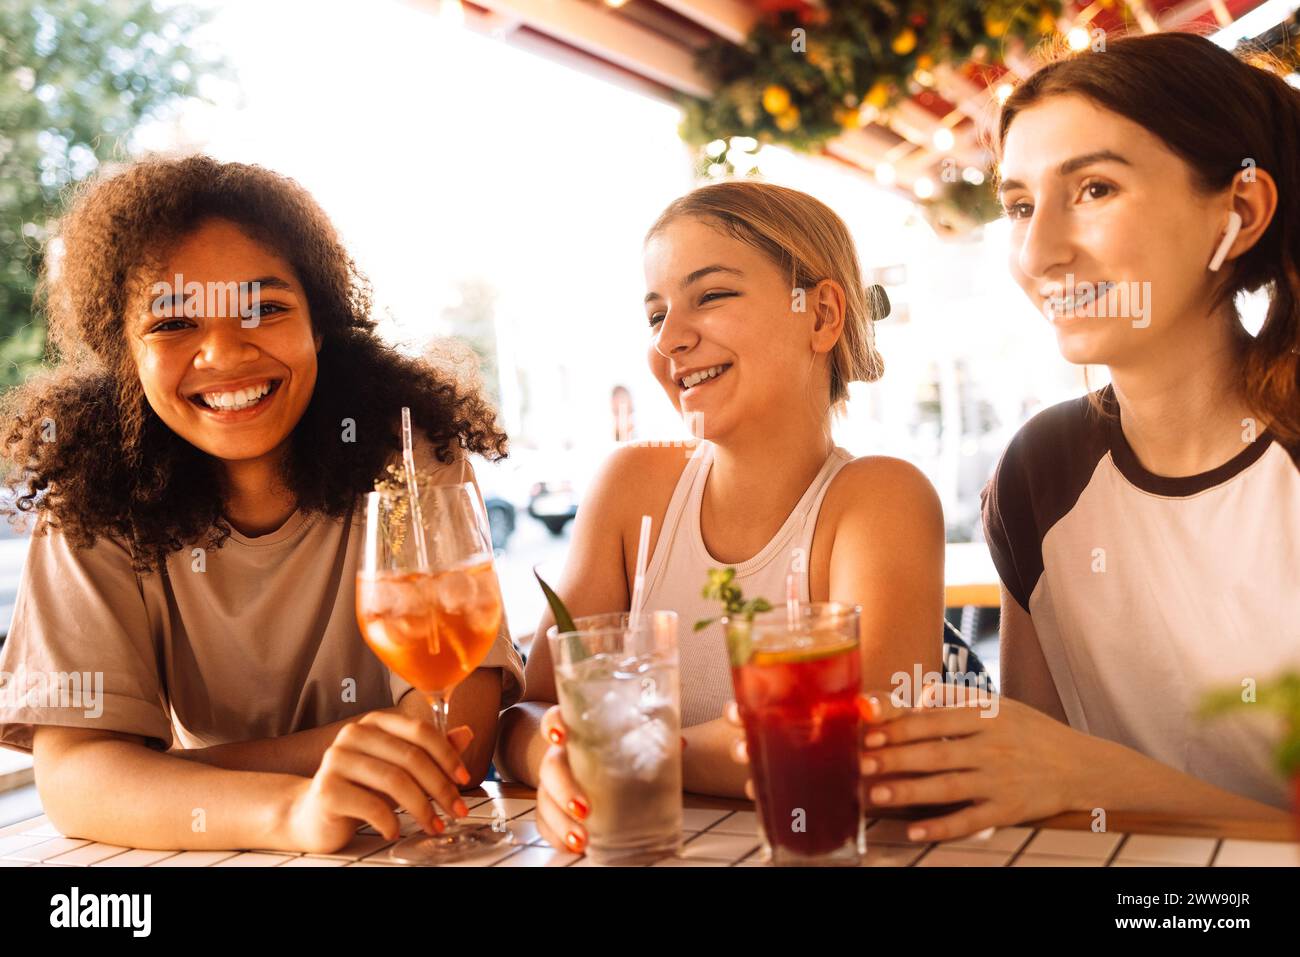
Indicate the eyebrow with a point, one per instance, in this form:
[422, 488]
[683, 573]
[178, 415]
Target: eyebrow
[272, 282]
[262, 282]
[699, 274]
[1072, 166]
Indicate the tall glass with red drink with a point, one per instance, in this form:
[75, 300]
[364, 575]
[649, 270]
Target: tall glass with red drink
[797, 674]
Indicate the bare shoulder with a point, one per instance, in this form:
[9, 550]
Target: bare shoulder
[634, 480]
[882, 485]
[643, 468]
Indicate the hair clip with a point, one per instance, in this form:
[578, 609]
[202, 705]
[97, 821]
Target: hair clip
[879, 301]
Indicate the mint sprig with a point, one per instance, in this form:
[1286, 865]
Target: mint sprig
[739, 612]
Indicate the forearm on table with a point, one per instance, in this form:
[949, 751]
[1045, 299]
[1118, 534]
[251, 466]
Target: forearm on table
[118, 792]
[299, 753]
[707, 763]
[1117, 778]
[474, 703]
[520, 745]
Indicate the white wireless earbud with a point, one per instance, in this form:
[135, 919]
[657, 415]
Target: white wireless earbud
[1229, 237]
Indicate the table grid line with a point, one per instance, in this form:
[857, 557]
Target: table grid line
[1019, 852]
[1114, 855]
[525, 808]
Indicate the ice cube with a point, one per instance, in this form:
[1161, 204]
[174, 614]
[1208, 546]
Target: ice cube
[455, 591]
[611, 708]
[643, 750]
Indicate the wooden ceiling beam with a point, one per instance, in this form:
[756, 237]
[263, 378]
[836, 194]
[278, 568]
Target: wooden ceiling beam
[730, 19]
[602, 32]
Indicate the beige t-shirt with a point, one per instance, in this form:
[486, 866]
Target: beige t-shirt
[256, 639]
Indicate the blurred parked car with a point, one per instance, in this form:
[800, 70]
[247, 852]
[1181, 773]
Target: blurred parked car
[501, 520]
[554, 504]
[495, 481]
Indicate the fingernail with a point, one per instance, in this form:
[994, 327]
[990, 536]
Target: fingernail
[460, 808]
[438, 826]
[556, 736]
[870, 765]
[875, 739]
[916, 833]
[881, 795]
[462, 775]
[868, 707]
[573, 842]
[578, 808]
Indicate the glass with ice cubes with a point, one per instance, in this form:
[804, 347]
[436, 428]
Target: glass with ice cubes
[619, 696]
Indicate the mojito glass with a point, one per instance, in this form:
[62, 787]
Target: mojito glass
[618, 693]
[797, 679]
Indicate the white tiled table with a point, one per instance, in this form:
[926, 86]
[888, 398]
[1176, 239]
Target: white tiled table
[715, 834]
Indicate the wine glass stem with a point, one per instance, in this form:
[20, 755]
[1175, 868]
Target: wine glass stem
[438, 702]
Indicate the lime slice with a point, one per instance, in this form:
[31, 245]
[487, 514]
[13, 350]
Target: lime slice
[794, 656]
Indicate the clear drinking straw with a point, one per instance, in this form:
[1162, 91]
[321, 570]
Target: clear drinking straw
[638, 583]
[792, 601]
[417, 521]
[793, 588]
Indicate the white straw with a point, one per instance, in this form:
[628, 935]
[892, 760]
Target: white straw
[792, 601]
[417, 521]
[638, 583]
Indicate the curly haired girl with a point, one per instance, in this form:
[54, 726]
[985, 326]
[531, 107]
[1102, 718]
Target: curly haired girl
[194, 462]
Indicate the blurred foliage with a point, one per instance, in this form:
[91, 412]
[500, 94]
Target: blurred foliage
[1280, 696]
[472, 321]
[807, 73]
[76, 78]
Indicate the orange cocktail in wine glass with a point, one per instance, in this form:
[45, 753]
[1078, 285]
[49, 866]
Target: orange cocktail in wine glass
[430, 610]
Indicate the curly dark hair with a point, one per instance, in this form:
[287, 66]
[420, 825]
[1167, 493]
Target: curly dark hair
[110, 466]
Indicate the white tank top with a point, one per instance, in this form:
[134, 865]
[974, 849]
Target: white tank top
[678, 571]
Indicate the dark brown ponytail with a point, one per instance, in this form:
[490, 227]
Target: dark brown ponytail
[1221, 115]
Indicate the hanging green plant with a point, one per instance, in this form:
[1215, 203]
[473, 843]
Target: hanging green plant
[803, 76]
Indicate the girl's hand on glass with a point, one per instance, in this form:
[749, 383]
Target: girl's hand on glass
[1008, 761]
[561, 806]
[380, 761]
[739, 753]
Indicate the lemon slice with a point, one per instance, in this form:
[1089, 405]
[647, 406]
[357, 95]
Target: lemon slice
[793, 656]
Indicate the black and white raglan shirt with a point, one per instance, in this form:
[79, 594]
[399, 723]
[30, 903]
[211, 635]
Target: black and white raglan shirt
[1147, 591]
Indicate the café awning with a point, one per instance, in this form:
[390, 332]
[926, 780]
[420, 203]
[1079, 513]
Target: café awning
[650, 46]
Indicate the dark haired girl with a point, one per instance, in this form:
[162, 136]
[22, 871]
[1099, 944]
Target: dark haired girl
[1148, 535]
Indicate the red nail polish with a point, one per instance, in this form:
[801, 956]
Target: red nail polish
[579, 809]
[462, 776]
[556, 736]
[573, 842]
[438, 826]
[869, 708]
[460, 807]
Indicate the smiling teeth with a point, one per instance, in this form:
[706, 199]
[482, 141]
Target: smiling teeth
[695, 378]
[237, 400]
[1062, 305]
